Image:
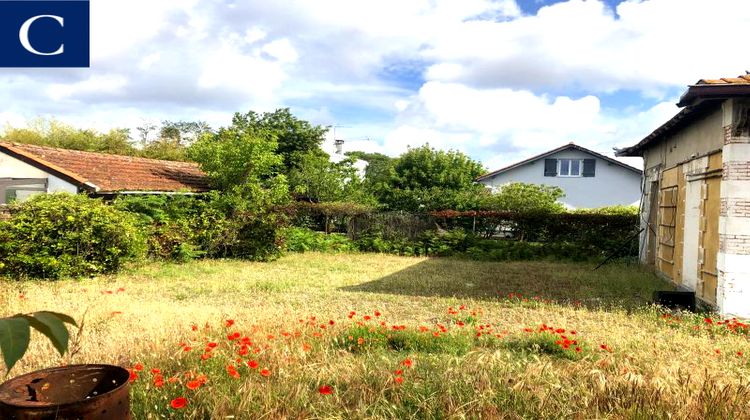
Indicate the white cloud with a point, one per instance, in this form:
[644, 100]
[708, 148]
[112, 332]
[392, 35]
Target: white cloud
[473, 75]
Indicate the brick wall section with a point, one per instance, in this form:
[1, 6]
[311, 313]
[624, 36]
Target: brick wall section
[735, 244]
[735, 207]
[732, 139]
[736, 171]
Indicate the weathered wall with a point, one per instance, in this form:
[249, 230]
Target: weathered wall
[611, 185]
[699, 138]
[733, 294]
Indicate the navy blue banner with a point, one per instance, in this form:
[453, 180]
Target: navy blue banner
[44, 33]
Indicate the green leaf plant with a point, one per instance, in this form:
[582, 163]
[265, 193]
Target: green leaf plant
[15, 333]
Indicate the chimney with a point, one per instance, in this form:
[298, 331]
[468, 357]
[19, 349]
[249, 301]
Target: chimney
[339, 146]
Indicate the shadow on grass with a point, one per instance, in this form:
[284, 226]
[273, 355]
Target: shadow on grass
[621, 285]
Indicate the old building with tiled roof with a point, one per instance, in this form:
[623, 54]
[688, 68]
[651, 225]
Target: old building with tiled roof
[696, 207]
[28, 169]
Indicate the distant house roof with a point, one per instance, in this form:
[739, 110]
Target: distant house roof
[552, 152]
[107, 173]
[697, 100]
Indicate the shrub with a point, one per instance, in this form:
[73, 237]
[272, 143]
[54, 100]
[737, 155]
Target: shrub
[60, 235]
[302, 240]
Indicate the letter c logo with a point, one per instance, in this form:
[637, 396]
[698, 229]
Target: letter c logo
[23, 34]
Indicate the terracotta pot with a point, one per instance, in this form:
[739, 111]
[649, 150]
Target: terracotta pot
[77, 392]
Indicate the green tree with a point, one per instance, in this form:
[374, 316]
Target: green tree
[424, 178]
[53, 133]
[320, 180]
[525, 198]
[295, 137]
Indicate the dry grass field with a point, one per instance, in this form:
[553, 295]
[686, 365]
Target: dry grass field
[376, 336]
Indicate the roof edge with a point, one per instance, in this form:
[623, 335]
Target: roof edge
[51, 168]
[553, 151]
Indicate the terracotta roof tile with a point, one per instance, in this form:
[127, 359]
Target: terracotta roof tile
[739, 80]
[111, 173]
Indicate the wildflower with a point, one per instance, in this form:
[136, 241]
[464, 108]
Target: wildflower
[133, 376]
[399, 380]
[360, 341]
[407, 362]
[178, 403]
[578, 349]
[605, 347]
[187, 348]
[739, 353]
[398, 372]
[325, 390]
[158, 381]
[252, 364]
[194, 327]
[422, 328]
[351, 314]
[270, 336]
[708, 321]
[138, 367]
[194, 384]
[265, 372]
[367, 317]
[306, 347]
[331, 322]
[205, 356]
[229, 323]
[243, 350]
[234, 336]
[717, 351]
[155, 370]
[232, 371]
[211, 345]
[377, 313]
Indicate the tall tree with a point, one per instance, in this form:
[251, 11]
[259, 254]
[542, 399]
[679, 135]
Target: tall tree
[295, 137]
[424, 178]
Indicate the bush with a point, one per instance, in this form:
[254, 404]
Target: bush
[61, 235]
[303, 240]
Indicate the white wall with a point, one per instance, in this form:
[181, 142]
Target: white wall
[11, 167]
[611, 185]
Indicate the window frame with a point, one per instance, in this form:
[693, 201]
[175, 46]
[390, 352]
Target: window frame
[570, 167]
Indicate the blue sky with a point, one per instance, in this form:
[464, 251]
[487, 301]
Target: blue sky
[498, 79]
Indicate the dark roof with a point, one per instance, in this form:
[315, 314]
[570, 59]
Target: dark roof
[553, 151]
[103, 173]
[697, 100]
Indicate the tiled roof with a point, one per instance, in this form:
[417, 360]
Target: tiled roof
[740, 80]
[570, 145]
[103, 172]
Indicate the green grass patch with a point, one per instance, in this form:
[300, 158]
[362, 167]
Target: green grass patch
[362, 338]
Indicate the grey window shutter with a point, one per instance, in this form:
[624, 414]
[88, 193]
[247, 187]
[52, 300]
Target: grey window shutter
[589, 167]
[550, 167]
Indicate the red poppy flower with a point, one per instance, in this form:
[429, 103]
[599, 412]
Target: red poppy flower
[178, 403]
[367, 317]
[229, 323]
[194, 327]
[306, 347]
[578, 349]
[360, 341]
[211, 345]
[138, 367]
[377, 313]
[243, 350]
[398, 372]
[232, 371]
[159, 381]
[187, 348]
[325, 390]
[407, 362]
[133, 376]
[194, 384]
[399, 380]
[265, 372]
[252, 364]
[155, 370]
[205, 356]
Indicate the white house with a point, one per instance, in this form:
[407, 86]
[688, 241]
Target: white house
[589, 179]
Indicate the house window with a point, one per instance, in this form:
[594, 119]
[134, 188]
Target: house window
[569, 167]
